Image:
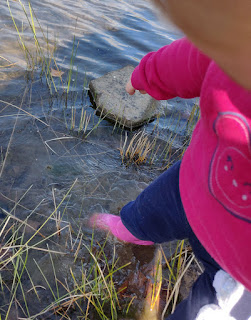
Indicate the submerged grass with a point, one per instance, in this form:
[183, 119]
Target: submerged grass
[90, 287]
[93, 291]
[33, 58]
[41, 54]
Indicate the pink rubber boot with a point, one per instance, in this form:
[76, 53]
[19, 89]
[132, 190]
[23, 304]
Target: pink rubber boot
[112, 223]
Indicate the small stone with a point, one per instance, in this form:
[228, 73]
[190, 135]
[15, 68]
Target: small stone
[110, 98]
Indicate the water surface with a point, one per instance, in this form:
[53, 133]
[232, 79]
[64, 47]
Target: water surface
[48, 170]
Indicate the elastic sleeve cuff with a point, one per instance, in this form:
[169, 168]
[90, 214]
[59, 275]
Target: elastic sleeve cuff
[135, 79]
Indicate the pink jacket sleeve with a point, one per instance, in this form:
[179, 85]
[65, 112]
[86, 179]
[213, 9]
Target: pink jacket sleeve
[175, 70]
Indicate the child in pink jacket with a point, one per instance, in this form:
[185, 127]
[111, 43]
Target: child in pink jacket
[207, 196]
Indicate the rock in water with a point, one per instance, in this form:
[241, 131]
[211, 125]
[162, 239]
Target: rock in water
[109, 97]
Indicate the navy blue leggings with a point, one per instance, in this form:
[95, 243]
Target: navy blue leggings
[158, 215]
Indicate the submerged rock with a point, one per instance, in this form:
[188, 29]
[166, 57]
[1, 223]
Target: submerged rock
[109, 97]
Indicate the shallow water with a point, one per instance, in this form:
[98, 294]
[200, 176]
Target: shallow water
[42, 159]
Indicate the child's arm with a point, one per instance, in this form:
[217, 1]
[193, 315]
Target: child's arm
[175, 70]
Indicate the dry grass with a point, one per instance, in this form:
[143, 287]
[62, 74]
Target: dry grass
[83, 122]
[138, 150]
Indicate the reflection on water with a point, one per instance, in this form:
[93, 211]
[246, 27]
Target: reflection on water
[41, 159]
[111, 34]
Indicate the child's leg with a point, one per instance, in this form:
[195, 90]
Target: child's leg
[157, 214]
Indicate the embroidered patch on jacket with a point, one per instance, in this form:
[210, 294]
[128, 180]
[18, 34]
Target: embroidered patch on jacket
[230, 168]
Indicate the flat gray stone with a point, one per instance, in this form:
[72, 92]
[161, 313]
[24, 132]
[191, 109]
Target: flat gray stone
[109, 97]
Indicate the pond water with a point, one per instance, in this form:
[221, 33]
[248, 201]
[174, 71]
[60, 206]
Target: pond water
[52, 176]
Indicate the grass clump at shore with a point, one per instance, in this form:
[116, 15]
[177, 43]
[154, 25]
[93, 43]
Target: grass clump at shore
[145, 148]
[40, 54]
[137, 150]
[35, 53]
